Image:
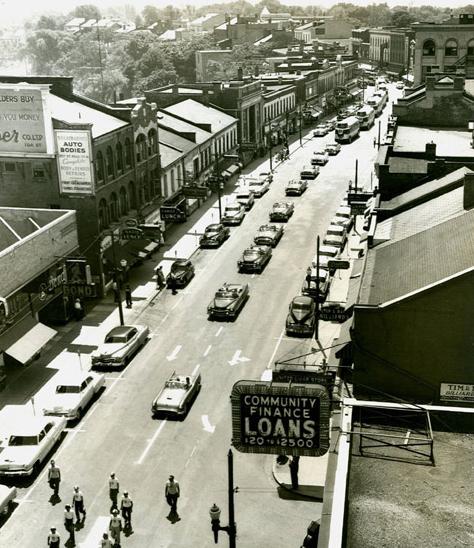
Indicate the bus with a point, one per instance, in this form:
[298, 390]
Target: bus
[376, 102]
[347, 130]
[383, 94]
[366, 115]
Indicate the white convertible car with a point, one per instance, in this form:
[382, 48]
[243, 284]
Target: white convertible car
[177, 395]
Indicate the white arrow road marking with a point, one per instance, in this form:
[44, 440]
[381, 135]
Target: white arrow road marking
[207, 350]
[237, 358]
[151, 442]
[195, 370]
[206, 424]
[219, 331]
[101, 526]
[266, 375]
[174, 354]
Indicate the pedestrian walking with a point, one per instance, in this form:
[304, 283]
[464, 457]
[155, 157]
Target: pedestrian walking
[105, 541]
[375, 142]
[160, 278]
[128, 296]
[294, 467]
[115, 527]
[54, 540]
[54, 478]
[114, 488]
[126, 505]
[172, 285]
[78, 503]
[78, 310]
[69, 523]
[172, 493]
[308, 277]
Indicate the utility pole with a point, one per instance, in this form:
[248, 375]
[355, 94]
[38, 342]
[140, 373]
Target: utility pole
[316, 300]
[270, 145]
[117, 292]
[300, 116]
[378, 139]
[356, 174]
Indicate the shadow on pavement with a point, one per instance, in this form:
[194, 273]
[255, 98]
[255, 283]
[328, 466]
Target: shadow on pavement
[304, 492]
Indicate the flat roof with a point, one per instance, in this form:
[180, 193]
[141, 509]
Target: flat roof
[449, 143]
[198, 113]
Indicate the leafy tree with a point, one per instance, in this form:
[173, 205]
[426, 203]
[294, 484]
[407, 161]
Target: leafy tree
[44, 47]
[88, 11]
[48, 22]
[150, 15]
[402, 18]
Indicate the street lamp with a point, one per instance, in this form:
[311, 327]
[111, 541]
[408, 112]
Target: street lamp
[117, 280]
[217, 181]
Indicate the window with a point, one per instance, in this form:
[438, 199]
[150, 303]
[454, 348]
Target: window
[128, 153]
[123, 201]
[10, 167]
[131, 195]
[38, 172]
[110, 162]
[429, 48]
[99, 166]
[103, 215]
[113, 207]
[141, 148]
[119, 154]
[152, 142]
[451, 48]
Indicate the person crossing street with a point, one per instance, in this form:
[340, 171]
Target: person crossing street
[172, 493]
[126, 505]
[114, 488]
[54, 478]
[69, 524]
[78, 503]
[54, 540]
[115, 527]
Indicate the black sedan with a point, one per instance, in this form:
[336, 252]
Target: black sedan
[181, 273]
[214, 235]
[301, 317]
[269, 235]
[282, 211]
[254, 258]
[228, 301]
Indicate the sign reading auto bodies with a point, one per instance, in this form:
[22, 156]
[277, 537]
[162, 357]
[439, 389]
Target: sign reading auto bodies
[22, 125]
[280, 419]
[74, 161]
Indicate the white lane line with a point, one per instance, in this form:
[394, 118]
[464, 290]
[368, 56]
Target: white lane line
[270, 361]
[207, 350]
[407, 437]
[219, 331]
[165, 318]
[101, 526]
[190, 456]
[151, 442]
[196, 369]
[174, 354]
[177, 302]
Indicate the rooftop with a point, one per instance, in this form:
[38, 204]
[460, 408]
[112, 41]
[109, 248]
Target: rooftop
[449, 143]
[198, 113]
[400, 164]
[181, 126]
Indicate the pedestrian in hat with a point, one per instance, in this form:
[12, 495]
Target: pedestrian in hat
[105, 541]
[54, 478]
[126, 505]
[114, 488]
[54, 539]
[78, 310]
[172, 493]
[69, 523]
[78, 503]
[115, 527]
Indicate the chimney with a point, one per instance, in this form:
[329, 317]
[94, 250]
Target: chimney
[468, 199]
[430, 151]
[240, 73]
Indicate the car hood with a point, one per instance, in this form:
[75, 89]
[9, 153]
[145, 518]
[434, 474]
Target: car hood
[268, 234]
[281, 209]
[62, 401]
[170, 397]
[177, 275]
[109, 349]
[210, 235]
[18, 455]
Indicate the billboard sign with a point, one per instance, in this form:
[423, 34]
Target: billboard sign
[456, 392]
[195, 191]
[276, 418]
[22, 124]
[172, 213]
[74, 152]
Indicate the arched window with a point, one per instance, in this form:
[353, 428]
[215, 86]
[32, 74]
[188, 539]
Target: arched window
[451, 48]
[429, 47]
[119, 154]
[113, 207]
[99, 167]
[103, 215]
[145, 189]
[110, 162]
[123, 201]
[131, 195]
[152, 142]
[128, 153]
[140, 146]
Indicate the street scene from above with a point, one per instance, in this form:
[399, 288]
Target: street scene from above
[237, 265]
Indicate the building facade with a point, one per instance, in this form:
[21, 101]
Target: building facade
[390, 48]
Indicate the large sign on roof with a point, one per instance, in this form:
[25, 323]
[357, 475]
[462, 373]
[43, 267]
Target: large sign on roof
[74, 161]
[22, 125]
[280, 419]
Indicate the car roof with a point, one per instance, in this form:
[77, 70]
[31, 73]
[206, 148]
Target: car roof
[181, 262]
[214, 226]
[121, 330]
[27, 425]
[302, 300]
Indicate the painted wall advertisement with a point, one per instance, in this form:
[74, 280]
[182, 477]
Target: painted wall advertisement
[456, 392]
[22, 126]
[74, 161]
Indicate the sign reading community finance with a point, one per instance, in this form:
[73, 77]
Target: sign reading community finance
[456, 392]
[74, 161]
[280, 419]
[22, 128]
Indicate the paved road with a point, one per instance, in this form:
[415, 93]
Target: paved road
[118, 433]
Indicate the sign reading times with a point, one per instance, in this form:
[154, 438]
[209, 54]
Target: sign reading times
[275, 418]
[74, 161]
[22, 127]
[456, 392]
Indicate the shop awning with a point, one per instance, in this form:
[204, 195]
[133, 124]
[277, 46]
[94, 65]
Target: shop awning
[27, 346]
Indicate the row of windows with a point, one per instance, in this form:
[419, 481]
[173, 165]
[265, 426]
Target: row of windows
[278, 107]
[450, 47]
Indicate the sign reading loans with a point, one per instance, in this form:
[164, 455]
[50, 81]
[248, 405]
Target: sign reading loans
[456, 392]
[279, 419]
[74, 161]
[22, 128]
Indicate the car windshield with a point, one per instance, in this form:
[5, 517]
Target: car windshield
[225, 293]
[267, 228]
[178, 268]
[16, 441]
[256, 183]
[110, 339]
[300, 306]
[68, 389]
[279, 206]
[175, 384]
[251, 252]
[243, 195]
[233, 208]
[212, 230]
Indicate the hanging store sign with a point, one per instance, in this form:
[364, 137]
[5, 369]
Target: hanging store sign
[131, 234]
[74, 161]
[273, 419]
[194, 191]
[456, 392]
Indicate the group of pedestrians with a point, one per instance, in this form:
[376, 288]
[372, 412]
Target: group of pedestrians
[161, 281]
[75, 513]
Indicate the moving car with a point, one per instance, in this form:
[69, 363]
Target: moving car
[301, 317]
[332, 148]
[177, 395]
[72, 393]
[26, 442]
[228, 301]
[7, 496]
[296, 187]
[312, 289]
[214, 235]
[234, 214]
[245, 197]
[320, 130]
[255, 258]
[259, 186]
[120, 345]
[309, 173]
[282, 211]
[269, 235]
[182, 272]
[320, 158]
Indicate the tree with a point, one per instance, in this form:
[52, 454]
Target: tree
[402, 18]
[48, 22]
[44, 47]
[150, 15]
[87, 11]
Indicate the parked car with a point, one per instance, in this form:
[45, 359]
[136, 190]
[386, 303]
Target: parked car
[332, 148]
[326, 253]
[266, 175]
[120, 345]
[296, 187]
[343, 217]
[309, 173]
[245, 197]
[234, 214]
[228, 301]
[71, 394]
[26, 441]
[336, 240]
[331, 124]
[177, 395]
[7, 497]
[269, 235]
[320, 158]
[317, 285]
[301, 317]
[282, 211]
[259, 186]
[182, 272]
[214, 235]
[320, 130]
[255, 258]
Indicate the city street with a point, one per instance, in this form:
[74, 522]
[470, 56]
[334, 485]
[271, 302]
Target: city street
[118, 433]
